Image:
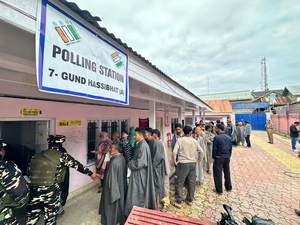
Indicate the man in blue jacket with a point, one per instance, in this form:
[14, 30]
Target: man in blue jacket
[222, 149]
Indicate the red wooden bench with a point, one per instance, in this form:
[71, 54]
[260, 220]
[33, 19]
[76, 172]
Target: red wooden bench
[142, 216]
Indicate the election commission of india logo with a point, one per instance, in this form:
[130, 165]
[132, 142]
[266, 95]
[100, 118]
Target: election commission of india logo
[117, 59]
[67, 32]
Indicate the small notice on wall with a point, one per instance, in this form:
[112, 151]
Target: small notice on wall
[67, 123]
[30, 112]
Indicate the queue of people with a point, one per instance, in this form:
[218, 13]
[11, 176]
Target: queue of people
[145, 156]
[239, 133]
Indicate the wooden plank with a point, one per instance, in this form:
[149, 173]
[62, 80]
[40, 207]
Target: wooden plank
[142, 216]
[178, 221]
[163, 215]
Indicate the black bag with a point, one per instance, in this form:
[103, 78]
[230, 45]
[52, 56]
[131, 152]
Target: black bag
[258, 221]
[227, 219]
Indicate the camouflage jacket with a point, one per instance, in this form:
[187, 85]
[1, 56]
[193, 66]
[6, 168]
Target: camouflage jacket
[13, 183]
[69, 161]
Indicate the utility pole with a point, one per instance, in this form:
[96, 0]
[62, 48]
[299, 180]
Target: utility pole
[264, 77]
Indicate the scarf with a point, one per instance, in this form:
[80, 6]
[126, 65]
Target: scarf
[131, 137]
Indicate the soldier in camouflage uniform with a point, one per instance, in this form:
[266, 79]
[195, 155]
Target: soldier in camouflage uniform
[14, 191]
[46, 172]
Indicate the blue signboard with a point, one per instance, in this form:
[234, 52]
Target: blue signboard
[253, 105]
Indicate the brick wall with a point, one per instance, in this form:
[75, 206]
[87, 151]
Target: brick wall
[294, 109]
[282, 123]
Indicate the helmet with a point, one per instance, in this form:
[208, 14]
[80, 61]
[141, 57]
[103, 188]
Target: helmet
[2, 143]
[56, 140]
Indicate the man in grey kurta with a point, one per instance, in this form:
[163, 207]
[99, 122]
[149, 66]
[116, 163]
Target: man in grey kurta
[157, 156]
[141, 191]
[210, 138]
[114, 191]
[242, 128]
[234, 136]
[199, 167]
[238, 129]
[203, 135]
[167, 170]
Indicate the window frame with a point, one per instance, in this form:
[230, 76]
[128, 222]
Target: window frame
[99, 129]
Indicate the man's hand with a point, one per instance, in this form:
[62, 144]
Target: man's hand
[213, 160]
[94, 177]
[196, 161]
[175, 163]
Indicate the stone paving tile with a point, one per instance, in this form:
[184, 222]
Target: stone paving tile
[260, 186]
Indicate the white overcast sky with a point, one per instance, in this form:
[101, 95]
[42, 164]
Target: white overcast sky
[223, 40]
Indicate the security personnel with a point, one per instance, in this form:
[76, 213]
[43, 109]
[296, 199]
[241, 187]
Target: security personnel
[14, 191]
[46, 172]
[64, 186]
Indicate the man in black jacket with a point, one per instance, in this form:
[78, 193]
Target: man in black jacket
[222, 149]
[294, 133]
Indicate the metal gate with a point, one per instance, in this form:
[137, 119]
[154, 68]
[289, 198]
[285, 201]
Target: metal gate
[257, 121]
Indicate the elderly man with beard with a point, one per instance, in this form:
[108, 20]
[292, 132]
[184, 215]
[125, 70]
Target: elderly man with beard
[113, 197]
[199, 167]
[102, 157]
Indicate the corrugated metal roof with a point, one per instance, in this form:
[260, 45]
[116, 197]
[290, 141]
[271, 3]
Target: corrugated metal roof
[261, 93]
[277, 100]
[294, 90]
[93, 20]
[220, 106]
[239, 95]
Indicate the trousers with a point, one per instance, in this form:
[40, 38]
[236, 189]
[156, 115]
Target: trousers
[7, 217]
[270, 135]
[294, 142]
[219, 166]
[248, 140]
[47, 199]
[183, 171]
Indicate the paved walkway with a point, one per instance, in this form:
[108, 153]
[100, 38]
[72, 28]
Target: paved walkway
[260, 187]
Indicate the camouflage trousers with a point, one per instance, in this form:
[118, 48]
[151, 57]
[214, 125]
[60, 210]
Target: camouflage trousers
[46, 198]
[7, 217]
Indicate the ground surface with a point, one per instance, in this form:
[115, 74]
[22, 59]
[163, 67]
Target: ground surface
[260, 187]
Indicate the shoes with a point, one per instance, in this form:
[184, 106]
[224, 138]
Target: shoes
[295, 150]
[297, 212]
[201, 184]
[61, 211]
[209, 171]
[219, 193]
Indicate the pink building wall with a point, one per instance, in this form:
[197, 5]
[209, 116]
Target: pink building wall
[76, 142]
[282, 123]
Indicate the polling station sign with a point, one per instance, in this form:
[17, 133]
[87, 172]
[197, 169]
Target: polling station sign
[74, 60]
